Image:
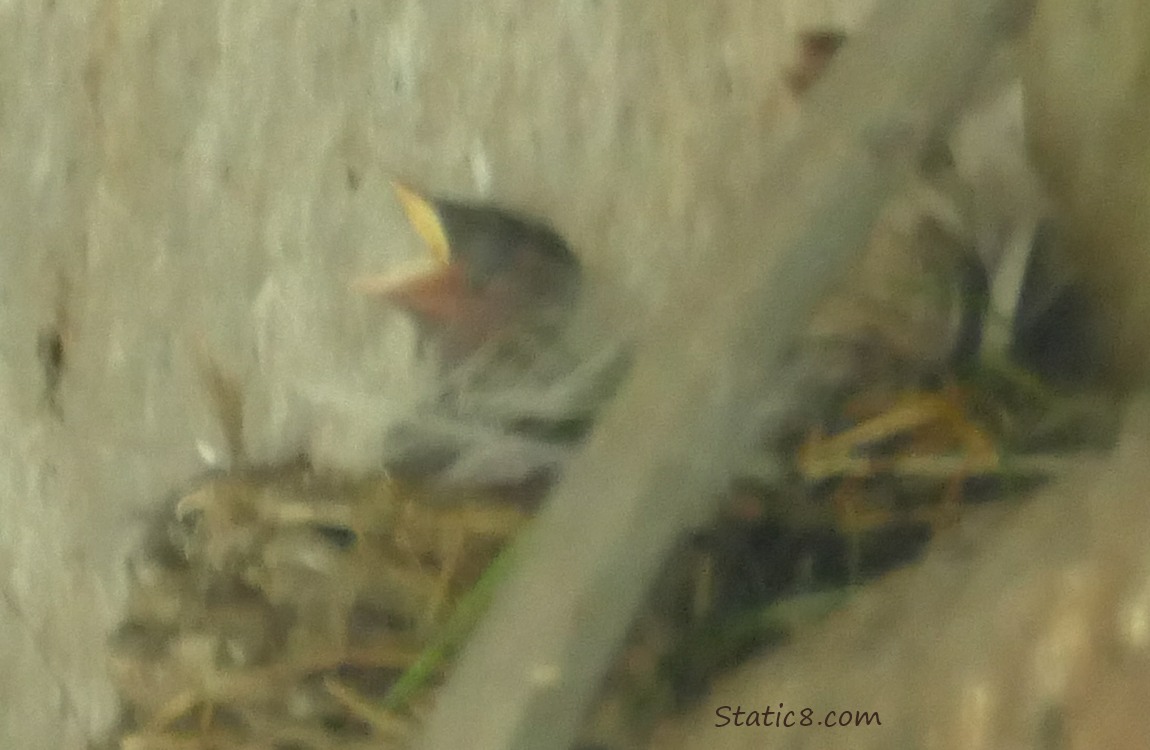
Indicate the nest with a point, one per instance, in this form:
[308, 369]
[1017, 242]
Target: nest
[278, 607]
[286, 607]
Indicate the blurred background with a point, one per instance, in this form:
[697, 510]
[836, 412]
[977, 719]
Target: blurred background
[216, 173]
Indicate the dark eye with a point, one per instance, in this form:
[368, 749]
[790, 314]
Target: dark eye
[339, 537]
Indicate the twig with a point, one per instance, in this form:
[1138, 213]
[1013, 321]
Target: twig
[939, 466]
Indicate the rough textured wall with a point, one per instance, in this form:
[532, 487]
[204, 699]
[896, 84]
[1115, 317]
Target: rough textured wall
[172, 170]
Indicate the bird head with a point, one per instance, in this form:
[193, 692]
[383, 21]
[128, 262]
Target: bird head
[494, 273]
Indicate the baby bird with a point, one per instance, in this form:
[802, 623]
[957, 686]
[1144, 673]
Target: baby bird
[496, 274]
[527, 360]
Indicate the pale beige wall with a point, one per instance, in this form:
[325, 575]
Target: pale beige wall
[220, 168]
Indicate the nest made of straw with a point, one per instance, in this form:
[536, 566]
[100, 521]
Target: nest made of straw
[276, 607]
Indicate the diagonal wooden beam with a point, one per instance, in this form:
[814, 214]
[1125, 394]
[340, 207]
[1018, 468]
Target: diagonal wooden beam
[648, 473]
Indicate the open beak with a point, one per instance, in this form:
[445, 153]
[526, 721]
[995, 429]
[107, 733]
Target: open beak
[426, 221]
[440, 293]
[489, 273]
[437, 294]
